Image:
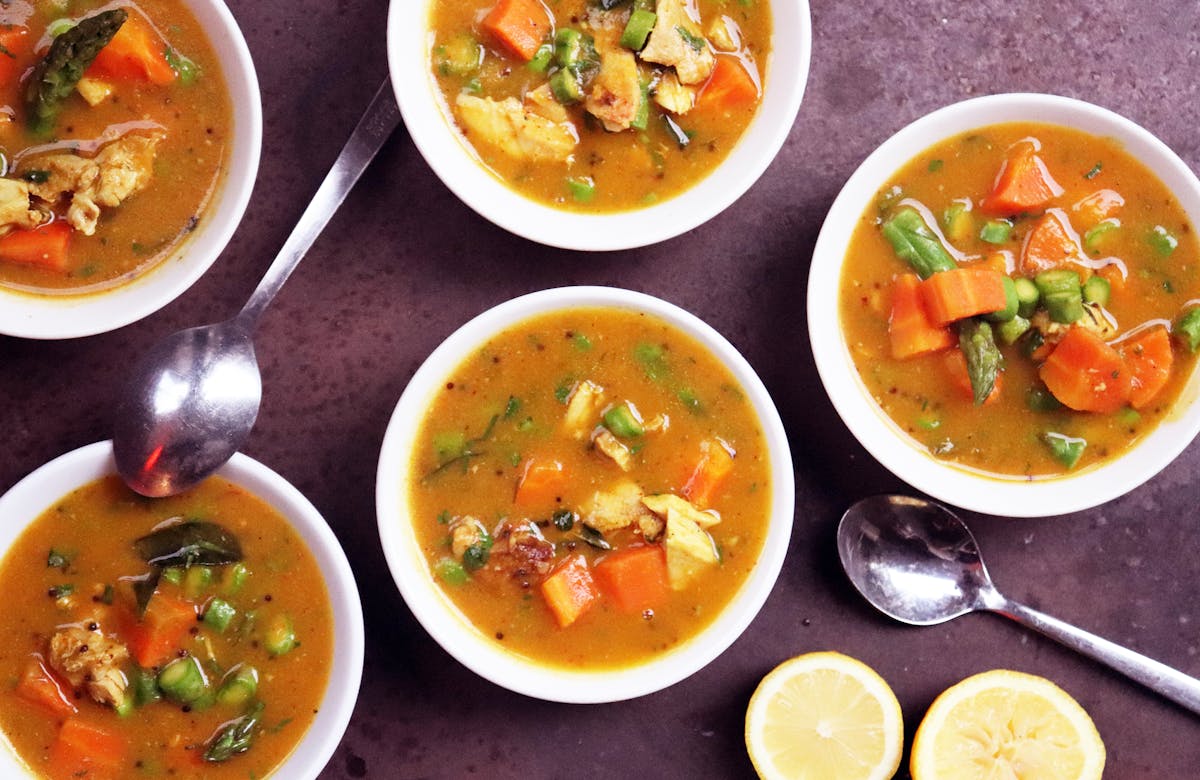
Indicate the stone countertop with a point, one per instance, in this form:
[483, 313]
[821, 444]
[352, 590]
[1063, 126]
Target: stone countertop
[404, 263]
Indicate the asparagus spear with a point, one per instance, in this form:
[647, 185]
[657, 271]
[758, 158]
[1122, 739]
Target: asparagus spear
[978, 346]
[916, 244]
[70, 55]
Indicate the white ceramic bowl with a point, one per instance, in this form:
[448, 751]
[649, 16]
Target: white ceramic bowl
[450, 627]
[453, 161]
[875, 430]
[37, 492]
[63, 316]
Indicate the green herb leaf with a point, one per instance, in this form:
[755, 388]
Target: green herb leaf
[190, 543]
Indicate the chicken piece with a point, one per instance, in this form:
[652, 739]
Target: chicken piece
[464, 534]
[541, 102]
[664, 503]
[620, 507]
[121, 169]
[673, 96]
[616, 91]
[689, 549]
[676, 41]
[609, 445]
[521, 551]
[14, 206]
[94, 91]
[1094, 319]
[724, 35]
[91, 661]
[516, 130]
[583, 408]
[606, 26]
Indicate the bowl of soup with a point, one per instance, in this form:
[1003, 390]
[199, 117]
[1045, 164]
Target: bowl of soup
[585, 494]
[217, 633]
[1004, 304]
[599, 126]
[131, 143]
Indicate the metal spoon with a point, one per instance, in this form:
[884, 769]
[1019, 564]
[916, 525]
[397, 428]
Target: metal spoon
[193, 399]
[917, 562]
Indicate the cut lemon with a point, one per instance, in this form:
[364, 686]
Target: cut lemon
[1003, 724]
[824, 716]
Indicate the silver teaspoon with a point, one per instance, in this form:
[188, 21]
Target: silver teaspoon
[192, 400]
[917, 562]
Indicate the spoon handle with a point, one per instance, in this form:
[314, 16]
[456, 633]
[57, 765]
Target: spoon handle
[375, 126]
[1171, 683]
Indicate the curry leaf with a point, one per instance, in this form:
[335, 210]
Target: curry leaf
[191, 543]
[144, 587]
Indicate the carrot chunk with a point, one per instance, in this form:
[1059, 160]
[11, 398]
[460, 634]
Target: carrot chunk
[1023, 184]
[41, 686]
[956, 369]
[710, 471]
[909, 327]
[570, 591]
[730, 86]
[135, 53]
[1148, 358]
[1048, 246]
[161, 632]
[45, 246]
[953, 295]
[1086, 374]
[635, 578]
[85, 750]
[519, 26]
[541, 482]
[15, 42]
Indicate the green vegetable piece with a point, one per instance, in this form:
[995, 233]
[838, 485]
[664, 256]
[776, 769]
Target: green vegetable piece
[460, 56]
[935, 166]
[70, 54]
[1066, 449]
[576, 53]
[187, 70]
[1011, 306]
[691, 39]
[1187, 329]
[996, 231]
[541, 59]
[582, 188]
[984, 360]
[238, 686]
[916, 244]
[621, 421]
[1027, 297]
[511, 407]
[1011, 330]
[235, 578]
[1092, 238]
[1094, 171]
[196, 580]
[928, 423]
[653, 359]
[144, 685]
[449, 444]
[173, 575]
[124, 707]
[195, 542]
[1161, 239]
[582, 342]
[219, 614]
[1129, 416]
[1040, 399]
[1032, 342]
[564, 519]
[106, 597]
[57, 559]
[61, 591]
[280, 637]
[956, 221]
[565, 87]
[59, 26]
[450, 571]
[638, 28]
[476, 556]
[1097, 290]
[641, 120]
[234, 737]
[1061, 294]
[182, 680]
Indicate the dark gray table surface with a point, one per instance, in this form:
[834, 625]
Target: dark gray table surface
[405, 263]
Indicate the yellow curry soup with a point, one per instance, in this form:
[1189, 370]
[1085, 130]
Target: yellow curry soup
[590, 488]
[600, 106]
[220, 675]
[1090, 361]
[105, 179]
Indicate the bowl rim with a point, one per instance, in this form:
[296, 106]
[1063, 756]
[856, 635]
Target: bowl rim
[436, 612]
[38, 491]
[455, 164]
[69, 315]
[875, 431]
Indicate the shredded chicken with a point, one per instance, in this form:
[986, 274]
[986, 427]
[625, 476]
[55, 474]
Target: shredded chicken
[463, 534]
[15, 211]
[620, 507]
[1094, 319]
[664, 503]
[724, 34]
[616, 91]
[121, 169]
[517, 130]
[91, 661]
[676, 41]
[541, 102]
[673, 96]
[689, 549]
[583, 407]
[609, 445]
[94, 91]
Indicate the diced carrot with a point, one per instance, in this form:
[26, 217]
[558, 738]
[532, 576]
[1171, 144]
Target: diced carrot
[953, 295]
[541, 482]
[956, 367]
[909, 328]
[15, 42]
[1049, 245]
[160, 633]
[570, 590]
[635, 578]
[519, 25]
[1098, 206]
[710, 471]
[730, 86]
[86, 750]
[46, 246]
[1086, 374]
[1148, 358]
[135, 53]
[1113, 275]
[1022, 185]
[41, 686]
